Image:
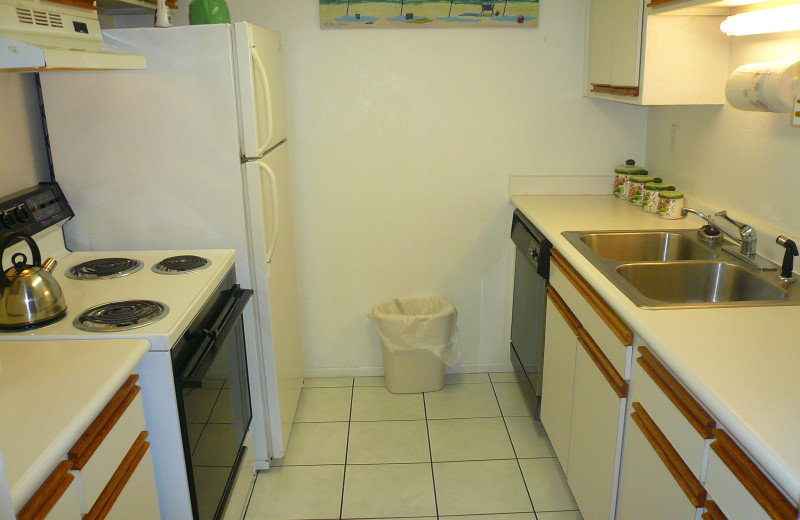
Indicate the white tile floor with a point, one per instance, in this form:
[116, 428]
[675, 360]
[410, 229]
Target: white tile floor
[469, 451]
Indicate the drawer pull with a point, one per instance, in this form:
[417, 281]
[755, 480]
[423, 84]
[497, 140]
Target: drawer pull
[559, 304]
[713, 512]
[114, 488]
[94, 435]
[50, 492]
[752, 478]
[616, 381]
[609, 317]
[691, 487]
[685, 403]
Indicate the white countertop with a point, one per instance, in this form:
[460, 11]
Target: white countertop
[50, 392]
[742, 363]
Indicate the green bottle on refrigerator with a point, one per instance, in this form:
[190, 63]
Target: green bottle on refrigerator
[203, 12]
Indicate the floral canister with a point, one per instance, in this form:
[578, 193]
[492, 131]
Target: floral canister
[635, 188]
[621, 174]
[650, 196]
[670, 204]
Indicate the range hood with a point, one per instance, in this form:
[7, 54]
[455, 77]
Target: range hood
[38, 35]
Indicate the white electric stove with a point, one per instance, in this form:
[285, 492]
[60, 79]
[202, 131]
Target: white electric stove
[188, 306]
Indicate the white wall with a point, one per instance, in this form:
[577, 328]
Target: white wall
[402, 144]
[748, 162]
[23, 160]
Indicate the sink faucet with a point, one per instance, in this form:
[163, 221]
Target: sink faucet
[747, 235]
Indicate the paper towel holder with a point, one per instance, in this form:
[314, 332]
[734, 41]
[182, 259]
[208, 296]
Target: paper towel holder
[763, 87]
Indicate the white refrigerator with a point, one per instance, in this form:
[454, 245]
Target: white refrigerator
[191, 153]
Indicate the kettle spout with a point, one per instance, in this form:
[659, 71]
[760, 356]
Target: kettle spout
[49, 264]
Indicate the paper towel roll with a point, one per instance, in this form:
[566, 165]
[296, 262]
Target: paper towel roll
[764, 87]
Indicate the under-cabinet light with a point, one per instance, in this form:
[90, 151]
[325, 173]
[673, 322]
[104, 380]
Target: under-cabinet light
[759, 22]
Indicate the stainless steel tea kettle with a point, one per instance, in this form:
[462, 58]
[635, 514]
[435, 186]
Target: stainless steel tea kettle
[29, 295]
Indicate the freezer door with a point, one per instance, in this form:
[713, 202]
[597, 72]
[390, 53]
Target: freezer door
[259, 64]
[273, 266]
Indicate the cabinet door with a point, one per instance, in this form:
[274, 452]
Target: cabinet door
[597, 413]
[601, 41]
[627, 43]
[137, 500]
[615, 36]
[647, 487]
[559, 371]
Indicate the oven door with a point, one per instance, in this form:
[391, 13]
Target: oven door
[213, 397]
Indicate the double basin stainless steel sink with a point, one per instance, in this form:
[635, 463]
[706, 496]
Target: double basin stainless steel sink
[675, 269]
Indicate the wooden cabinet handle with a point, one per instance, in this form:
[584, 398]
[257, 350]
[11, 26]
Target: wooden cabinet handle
[102, 425]
[669, 456]
[609, 317]
[654, 3]
[616, 90]
[565, 312]
[752, 478]
[616, 381]
[114, 488]
[685, 403]
[86, 4]
[50, 492]
[713, 512]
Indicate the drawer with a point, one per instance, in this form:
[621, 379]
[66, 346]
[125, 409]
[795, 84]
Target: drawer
[56, 498]
[684, 422]
[130, 494]
[610, 333]
[740, 488]
[99, 452]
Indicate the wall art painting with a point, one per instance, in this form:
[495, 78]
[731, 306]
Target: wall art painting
[428, 13]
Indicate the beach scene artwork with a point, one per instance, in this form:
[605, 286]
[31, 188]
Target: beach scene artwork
[346, 14]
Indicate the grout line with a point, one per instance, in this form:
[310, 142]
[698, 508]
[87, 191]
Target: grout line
[346, 450]
[430, 454]
[515, 452]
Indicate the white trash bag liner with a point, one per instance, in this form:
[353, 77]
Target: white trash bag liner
[427, 323]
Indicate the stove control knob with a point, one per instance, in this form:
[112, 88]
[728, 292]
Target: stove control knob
[7, 220]
[20, 213]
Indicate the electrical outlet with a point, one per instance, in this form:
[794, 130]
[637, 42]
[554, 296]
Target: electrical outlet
[673, 138]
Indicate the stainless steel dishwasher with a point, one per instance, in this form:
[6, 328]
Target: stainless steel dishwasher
[531, 272]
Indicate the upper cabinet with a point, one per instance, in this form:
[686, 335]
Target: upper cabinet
[131, 6]
[615, 32]
[646, 55]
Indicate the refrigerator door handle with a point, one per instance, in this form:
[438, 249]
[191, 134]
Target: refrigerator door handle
[273, 188]
[263, 146]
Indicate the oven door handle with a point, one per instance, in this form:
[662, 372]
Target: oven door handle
[192, 376]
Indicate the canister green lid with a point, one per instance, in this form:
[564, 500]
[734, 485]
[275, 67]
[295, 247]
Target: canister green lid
[671, 194]
[644, 178]
[659, 186]
[630, 168]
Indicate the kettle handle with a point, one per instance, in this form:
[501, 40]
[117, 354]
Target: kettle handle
[6, 241]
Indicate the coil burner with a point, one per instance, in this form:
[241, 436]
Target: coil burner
[104, 268]
[121, 315]
[181, 264]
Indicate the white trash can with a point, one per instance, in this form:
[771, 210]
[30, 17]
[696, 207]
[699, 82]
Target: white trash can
[418, 338]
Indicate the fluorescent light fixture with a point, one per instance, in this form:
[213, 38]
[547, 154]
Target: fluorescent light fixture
[759, 22]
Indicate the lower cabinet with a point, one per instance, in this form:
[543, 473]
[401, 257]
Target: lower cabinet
[557, 384]
[108, 473]
[583, 393]
[596, 434]
[649, 487]
[738, 486]
[56, 498]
